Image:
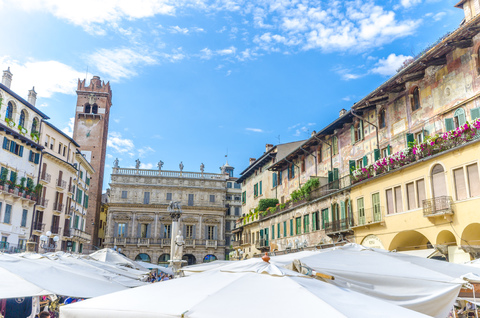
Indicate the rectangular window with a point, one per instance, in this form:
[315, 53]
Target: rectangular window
[419, 137]
[284, 228]
[335, 145]
[229, 185]
[237, 185]
[298, 223]
[124, 194]
[210, 232]
[473, 180]
[361, 211]
[274, 180]
[75, 224]
[237, 211]
[303, 164]
[359, 163]
[146, 198]
[189, 231]
[52, 143]
[120, 232]
[279, 178]
[319, 154]
[190, 199]
[79, 196]
[144, 230]
[47, 140]
[260, 188]
[64, 150]
[324, 217]
[385, 152]
[24, 218]
[59, 148]
[167, 231]
[390, 206]
[273, 232]
[315, 221]
[87, 181]
[410, 196]
[169, 197]
[8, 214]
[212, 198]
[85, 201]
[81, 175]
[306, 223]
[278, 230]
[255, 190]
[244, 197]
[420, 192]
[398, 199]
[460, 186]
[291, 227]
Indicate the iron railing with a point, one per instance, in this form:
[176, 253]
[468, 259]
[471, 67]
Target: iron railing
[341, 225]
[371, 215]
[333, 186]
[437, 206]
[40, 227]
[61, 184]
[56, 229]
[42, 202]
[46, 177]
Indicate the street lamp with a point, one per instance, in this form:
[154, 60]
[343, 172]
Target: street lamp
[45, 244]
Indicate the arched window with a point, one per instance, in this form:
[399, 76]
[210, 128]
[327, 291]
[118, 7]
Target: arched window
[191, 260]
[335, 212]
[10, 109]
[163, 259]
[87, 108]
[21, 122]
[95, 108]
[439, 186]
[209, 258]
[35, 125]
[143, 257]
[382, 122]
[415, 99]
[459, 117]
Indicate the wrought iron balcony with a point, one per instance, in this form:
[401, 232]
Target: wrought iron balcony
[237, 243]
[262, 244]
[437, 206]
[342, 225]
[45, 177]
[40, 227]
[42, 202]
[370, 216]
[333, 186]
[56, 230]
[61, 184]
[58, 207]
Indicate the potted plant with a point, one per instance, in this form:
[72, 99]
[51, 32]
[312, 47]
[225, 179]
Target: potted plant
[21, 186]
[3, 177]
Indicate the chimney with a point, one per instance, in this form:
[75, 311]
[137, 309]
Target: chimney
[7, 78]
[313, 133]
[32, 96]
[343, 112]
[268, 147]
[252, 160]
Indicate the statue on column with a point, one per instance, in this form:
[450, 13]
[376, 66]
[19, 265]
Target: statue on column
[160, 165]
[115, 163]
[179, 242]
[137, 164]
[202, 167]
[181, 166]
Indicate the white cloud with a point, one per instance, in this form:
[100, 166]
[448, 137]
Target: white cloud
[390, 65]
[409, 3]
[175, 56]
[48, 77]
[302, 130]
[258, 130]
[91, 15]
[206, 54]
[228, 51]
[145, 150]
[177, 29]
[228, 73]
[120, 63]
[439, 16]
[146, 165]
[119, 144]
[69, 129]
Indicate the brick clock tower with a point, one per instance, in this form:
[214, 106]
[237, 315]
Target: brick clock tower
[90, 132]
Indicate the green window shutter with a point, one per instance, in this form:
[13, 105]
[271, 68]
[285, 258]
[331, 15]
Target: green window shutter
[278, 230]
[335, 174]
[475, 113]
[365, 161]
[342, 210]
[314, 221]
[389, 150]
[284, 228]
[291, 227]
[352, 133]
[274, 179]
[260, 187]
[330, 176]
[273, 232]
[86, 202]
[362, 134]
[376, 154]
[351, 166]
[449, 125]
[410, 139]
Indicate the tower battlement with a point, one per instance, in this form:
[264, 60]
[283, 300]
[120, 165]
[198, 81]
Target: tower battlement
[96, 85]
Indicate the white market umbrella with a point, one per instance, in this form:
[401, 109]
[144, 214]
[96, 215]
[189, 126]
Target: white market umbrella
[57, 278]
[424, 285]
[14, 286]
[108, 255]
[162, 269]
[237, 294]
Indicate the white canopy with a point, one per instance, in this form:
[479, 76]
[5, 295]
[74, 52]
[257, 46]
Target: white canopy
[276, 292]
[108, 255]
[162, 269]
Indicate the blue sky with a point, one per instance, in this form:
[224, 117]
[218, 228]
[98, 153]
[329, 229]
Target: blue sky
[193, 79]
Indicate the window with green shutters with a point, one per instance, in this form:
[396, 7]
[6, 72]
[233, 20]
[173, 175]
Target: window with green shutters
[377, 216]
[298, 225]
[260, 186]
[81, 175]
[284, 228]
[306, 223]
[24, 218]
[273, 232]
[278, 230]
[376, 154]
[8, 214]
[365, 161]
[244, 197]
[315, 221]
[410, 139]
[85, 201]
[351, 166]
[274, 179]
[356, 131]
[88, 181]
[449, 124]
[459, 117]
[279, 178]
[475, 113]
[255, 190]
[361, 211]
[335, 145]
[75, 224]
[324, 217]
[291, 227]
[79, 196]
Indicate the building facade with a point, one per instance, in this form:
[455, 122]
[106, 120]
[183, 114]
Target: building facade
[90, 130]
[139, 225]
[233, 206]
[20, 158]
[398, 171]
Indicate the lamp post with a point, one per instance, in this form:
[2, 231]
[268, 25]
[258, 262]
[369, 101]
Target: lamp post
[45, 244]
